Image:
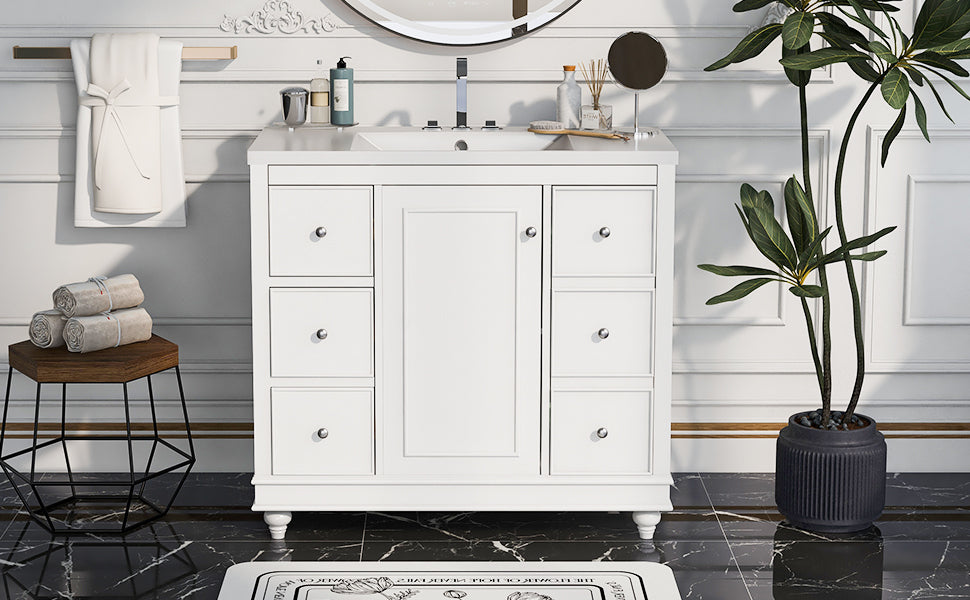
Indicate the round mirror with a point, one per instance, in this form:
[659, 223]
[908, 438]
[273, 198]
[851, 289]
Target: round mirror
[461, 22]
[637, 61]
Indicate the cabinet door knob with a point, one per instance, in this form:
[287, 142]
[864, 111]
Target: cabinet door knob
[321, 334]
[604, 232]
[602, 432]
[603, 333]
[320, 232]
[322, 433]
[531, 232]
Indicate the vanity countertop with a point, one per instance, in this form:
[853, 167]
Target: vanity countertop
[308, 144]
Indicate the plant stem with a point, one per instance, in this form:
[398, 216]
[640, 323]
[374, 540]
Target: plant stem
[823, 369]
[814, 345]
[849, 270]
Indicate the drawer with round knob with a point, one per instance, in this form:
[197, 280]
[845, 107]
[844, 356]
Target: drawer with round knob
[320, 431]
[603, 231]
[602, 433]
[321, 332]
[599, 333]
[321, 231]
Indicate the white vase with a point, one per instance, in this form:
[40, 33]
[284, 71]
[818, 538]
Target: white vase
[569, 99]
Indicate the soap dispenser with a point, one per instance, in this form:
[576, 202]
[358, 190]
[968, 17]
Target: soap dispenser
[342, 94]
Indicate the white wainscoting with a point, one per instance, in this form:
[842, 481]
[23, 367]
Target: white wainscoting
[740, 370]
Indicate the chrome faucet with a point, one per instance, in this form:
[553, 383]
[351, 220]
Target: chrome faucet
[461, 119]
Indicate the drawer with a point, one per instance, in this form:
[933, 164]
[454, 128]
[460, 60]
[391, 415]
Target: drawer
[321, 332]
[321, 231]
[322, 431]
[603, 231]
[602, 333]
[601, 433]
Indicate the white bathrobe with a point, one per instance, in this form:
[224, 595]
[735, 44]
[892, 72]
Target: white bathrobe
[129, 153]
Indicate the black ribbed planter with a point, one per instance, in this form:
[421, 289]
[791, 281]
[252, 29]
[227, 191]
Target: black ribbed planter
[830, 481]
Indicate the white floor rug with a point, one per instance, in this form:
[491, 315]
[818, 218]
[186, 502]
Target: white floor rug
[448, 581]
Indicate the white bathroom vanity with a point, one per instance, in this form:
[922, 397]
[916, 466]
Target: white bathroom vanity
[481, 328]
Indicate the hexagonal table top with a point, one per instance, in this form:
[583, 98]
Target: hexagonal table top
[114, 365]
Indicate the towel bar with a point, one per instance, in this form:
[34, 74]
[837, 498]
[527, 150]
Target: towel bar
[188, 52]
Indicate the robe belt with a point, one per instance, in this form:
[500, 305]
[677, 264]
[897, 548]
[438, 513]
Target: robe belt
[111, 101]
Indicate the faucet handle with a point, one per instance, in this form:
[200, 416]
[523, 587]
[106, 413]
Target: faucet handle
[432, 126]
[490, 126]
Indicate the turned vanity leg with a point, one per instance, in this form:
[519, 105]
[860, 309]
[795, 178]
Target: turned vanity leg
[646, 523]
[277, 522]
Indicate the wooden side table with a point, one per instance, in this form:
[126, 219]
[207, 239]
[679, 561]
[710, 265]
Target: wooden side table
[115, 365]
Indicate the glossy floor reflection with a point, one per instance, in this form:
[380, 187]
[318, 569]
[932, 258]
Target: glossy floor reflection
[724, 540]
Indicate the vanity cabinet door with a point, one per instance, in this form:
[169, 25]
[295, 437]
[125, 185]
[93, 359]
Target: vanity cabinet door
[461, 308]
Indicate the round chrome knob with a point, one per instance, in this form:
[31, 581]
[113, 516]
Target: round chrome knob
[320, 232]
[531, 232]
[322, 433]
[604, 232]
[602, 432]
[603, 333]
[321, 334]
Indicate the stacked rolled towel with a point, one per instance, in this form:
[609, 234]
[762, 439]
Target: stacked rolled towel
[47, 328]
[93, 315]
[117, 328]
[98, 295]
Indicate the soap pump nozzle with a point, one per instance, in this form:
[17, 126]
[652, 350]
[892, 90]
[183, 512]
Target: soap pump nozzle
[342, 64]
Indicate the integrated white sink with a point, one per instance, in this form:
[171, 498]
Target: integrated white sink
[457, 141]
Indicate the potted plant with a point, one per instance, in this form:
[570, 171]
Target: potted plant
[830, 466]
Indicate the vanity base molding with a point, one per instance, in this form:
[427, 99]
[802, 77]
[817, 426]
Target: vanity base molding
[474, 331]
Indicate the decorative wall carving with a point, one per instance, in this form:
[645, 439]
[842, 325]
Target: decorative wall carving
[777, 13]
[278, 16]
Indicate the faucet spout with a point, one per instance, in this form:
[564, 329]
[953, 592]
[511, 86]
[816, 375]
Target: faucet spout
[461, 89]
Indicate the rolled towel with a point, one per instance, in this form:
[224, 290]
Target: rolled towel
[88, 334]
[98, 295]
[47, 328]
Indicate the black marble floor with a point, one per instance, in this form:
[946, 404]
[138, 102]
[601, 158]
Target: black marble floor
[724, 540]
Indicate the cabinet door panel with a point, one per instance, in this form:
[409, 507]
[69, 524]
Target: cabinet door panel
[461, 316]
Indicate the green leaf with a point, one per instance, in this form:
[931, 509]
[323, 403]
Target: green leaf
[836, 26]
[939, 100]
[801, 214]
[752, 45]
[892, 133]
[797, 29]
[862, 242]
[862, 17]
[941, 22]
[864, 70]
[920, 115]
[746, 5]
[914, 74]
[807, 291]
[882, 51]
[956, 47]
[869, 256]
[769, 237]
[935, 59]
[737, 270]
[952, 83]
[895, 88]
[822, 57]
[798, 78]
[806, 258]
[740, 291]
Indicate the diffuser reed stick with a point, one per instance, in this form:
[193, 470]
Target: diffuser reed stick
[595, 75]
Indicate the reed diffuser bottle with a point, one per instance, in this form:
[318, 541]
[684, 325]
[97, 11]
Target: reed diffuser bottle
[595, 115]
[569, 99]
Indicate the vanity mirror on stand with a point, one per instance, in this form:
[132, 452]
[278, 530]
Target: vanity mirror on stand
[461, 23]
[637, 62]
